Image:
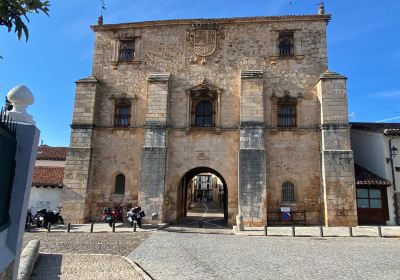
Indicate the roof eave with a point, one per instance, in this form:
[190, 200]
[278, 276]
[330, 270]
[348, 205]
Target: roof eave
[325, 18]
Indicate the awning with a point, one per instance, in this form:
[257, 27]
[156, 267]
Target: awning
[364, 177]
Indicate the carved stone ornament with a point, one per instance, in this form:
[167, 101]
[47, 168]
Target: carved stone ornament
[204, 40]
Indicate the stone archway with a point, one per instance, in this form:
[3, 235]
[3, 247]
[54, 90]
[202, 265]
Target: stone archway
[183, 189]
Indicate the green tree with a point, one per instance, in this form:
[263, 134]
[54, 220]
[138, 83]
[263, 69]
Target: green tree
[14, 12]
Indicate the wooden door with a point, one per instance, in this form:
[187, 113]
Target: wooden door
[372, 206]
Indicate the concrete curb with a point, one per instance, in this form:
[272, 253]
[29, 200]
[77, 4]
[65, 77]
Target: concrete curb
[137, 267]
[28, 260]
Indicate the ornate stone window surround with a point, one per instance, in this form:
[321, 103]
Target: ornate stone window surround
[277, 36]
[202, 92]
[286, 98]
[116, 45]
[123, 99]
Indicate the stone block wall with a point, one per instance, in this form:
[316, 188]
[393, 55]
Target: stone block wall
[338, 181]
[75, 198]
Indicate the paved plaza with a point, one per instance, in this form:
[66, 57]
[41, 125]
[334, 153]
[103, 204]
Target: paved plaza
[167, 255]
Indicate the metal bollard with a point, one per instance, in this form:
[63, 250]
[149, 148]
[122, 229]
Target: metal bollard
[321, 231]
[113, 227]
[48, 227]
[200, 224]
[91, 227]
[134, 226]
[69, 227]
[293, 231]
[28, 228]
[266, 230]
[379, 231]
[351, 231]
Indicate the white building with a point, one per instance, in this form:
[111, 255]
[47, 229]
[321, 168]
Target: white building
[375, 147]
[47, 180]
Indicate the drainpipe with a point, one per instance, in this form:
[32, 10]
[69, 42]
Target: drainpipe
[396, 211]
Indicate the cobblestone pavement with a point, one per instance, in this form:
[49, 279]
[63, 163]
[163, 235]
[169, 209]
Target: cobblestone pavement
[70, 256]
[168, 255]
[87, 243]
[83, 267]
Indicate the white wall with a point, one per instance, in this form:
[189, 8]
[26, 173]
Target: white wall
[57, 163]
[41, 194]
[370, 151]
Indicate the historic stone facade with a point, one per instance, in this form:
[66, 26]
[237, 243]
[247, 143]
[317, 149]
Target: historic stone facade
[277, 119]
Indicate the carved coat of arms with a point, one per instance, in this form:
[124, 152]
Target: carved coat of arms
[204, 39]
[205, 42]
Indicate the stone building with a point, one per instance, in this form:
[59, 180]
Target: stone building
[250, 100]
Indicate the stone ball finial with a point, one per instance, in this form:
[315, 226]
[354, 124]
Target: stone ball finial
[20, 97]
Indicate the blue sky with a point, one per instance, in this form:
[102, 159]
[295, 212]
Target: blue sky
[363, 44]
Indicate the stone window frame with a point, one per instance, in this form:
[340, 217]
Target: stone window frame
[119, 186]
[116, 47]
[124, 100]
[286, 98]
[202, 92]
[288, 192]
[283, 34]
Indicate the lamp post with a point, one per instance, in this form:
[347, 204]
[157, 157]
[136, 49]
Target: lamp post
[393, 151]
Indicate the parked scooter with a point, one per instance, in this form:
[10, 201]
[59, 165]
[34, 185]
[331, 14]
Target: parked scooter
[109, 216]
[135, 215]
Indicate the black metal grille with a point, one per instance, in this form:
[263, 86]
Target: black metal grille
[204, 114]
[127, 50]
[288, 191]
[287, 115]
[286, 46]
[8, 144]
[122, 115]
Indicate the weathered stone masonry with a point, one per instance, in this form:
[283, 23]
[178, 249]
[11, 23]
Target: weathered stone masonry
[236, 64]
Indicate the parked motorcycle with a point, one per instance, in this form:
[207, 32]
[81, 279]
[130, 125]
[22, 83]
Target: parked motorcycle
[29, 219]
[44, 217]
[135, 215]
[109, 216]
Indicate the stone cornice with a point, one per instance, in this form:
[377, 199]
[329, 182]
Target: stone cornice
[89, 79]
[325, 18]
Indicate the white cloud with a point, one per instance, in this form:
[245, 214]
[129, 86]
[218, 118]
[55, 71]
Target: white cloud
[388, 94]
[389, 119]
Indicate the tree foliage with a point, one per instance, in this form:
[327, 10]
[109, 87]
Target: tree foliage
[14, 12]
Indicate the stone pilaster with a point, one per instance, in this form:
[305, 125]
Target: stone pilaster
[77, 168]
[154, 151]
[252, 155]
[337, 157]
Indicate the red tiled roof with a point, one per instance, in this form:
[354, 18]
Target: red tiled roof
[45, 152]
[48, 176]
[366, 177]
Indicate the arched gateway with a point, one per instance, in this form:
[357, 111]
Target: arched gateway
[193, 191]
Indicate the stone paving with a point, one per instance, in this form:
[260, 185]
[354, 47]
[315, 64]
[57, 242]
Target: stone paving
[168, 255]
[77, 255]
[83, 267]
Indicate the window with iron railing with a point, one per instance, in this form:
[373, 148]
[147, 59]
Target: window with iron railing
[286, 44]
[126, 50]
[122, 114]
[288, 192]
[287, 115]
[204, 114]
